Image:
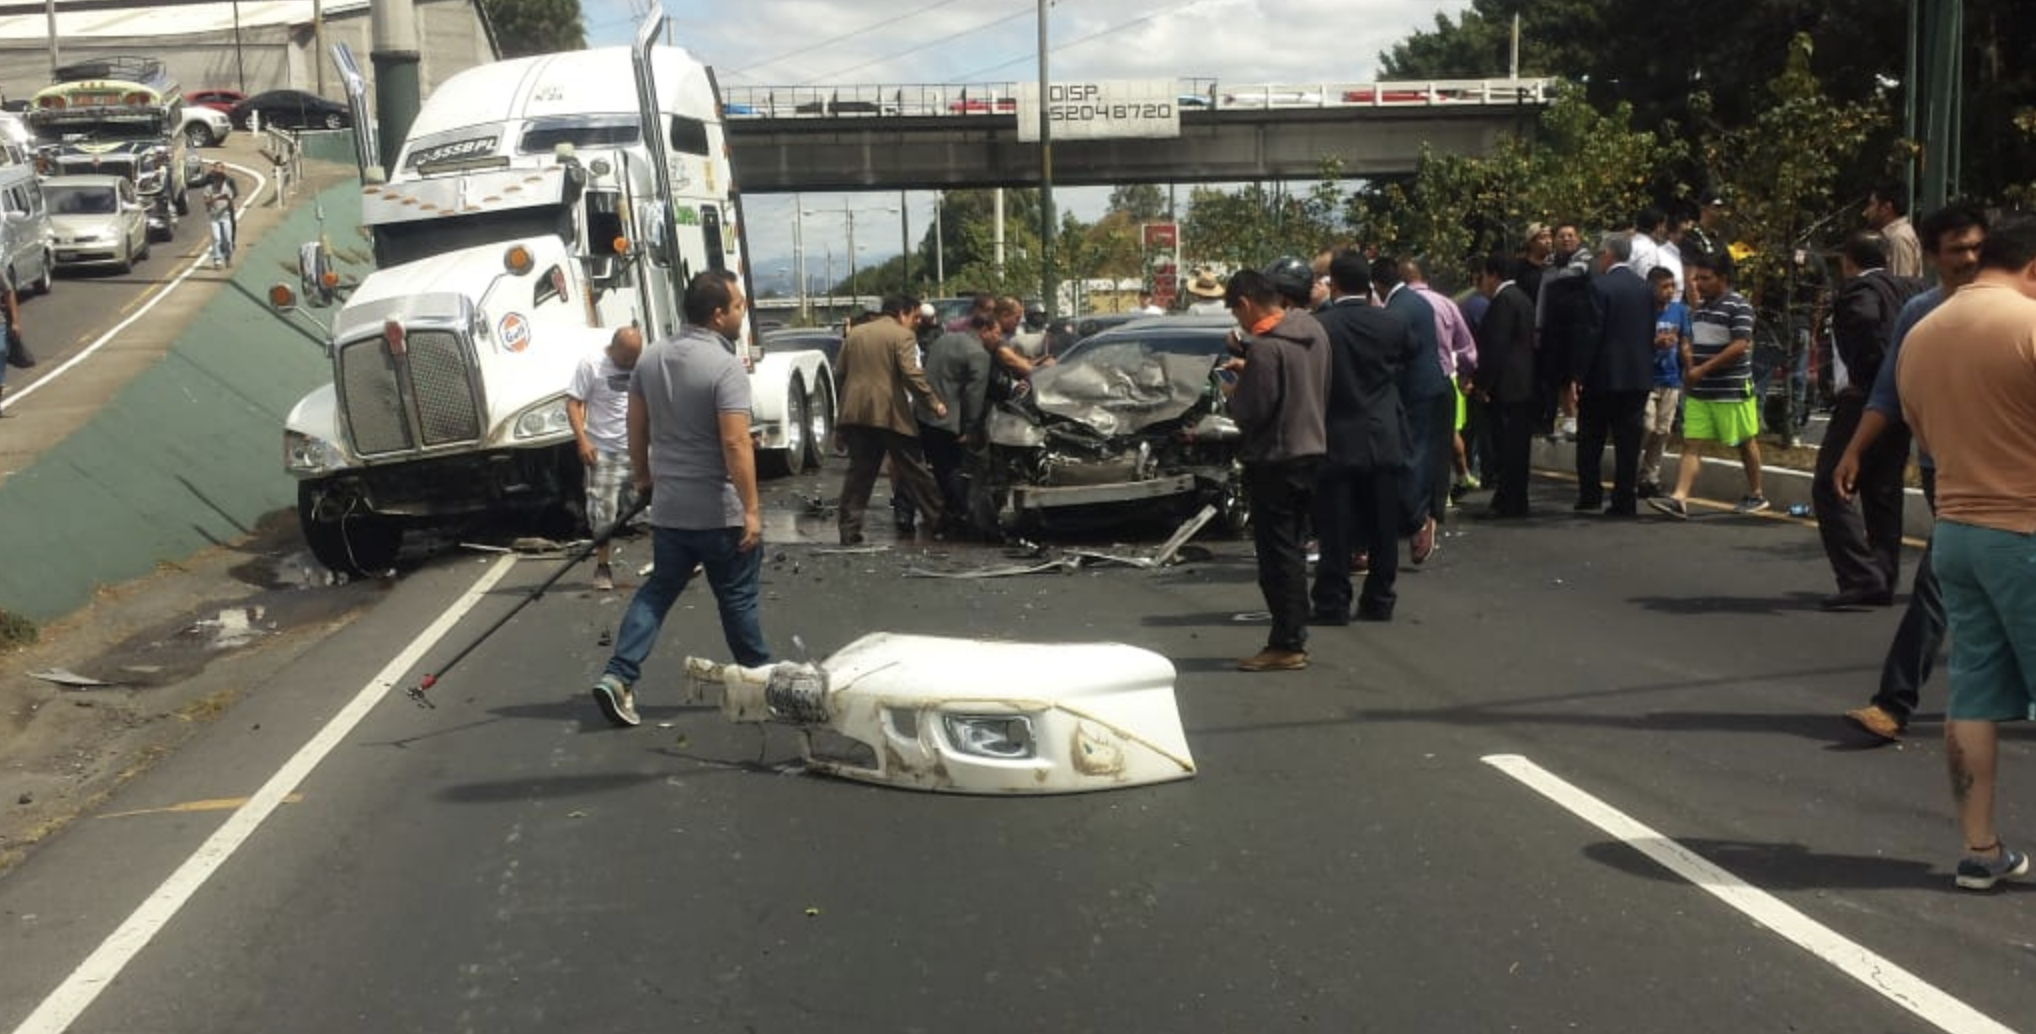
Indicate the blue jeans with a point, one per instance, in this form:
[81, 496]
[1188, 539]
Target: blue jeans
[731, 573]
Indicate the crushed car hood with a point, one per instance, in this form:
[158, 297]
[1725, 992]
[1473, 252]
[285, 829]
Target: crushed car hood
[1115, 394]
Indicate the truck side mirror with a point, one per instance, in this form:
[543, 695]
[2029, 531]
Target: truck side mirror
[315, 274]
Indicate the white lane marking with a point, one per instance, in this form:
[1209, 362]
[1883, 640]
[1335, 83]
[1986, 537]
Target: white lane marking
[63, 1006]
[1898, 985]
[14, 398]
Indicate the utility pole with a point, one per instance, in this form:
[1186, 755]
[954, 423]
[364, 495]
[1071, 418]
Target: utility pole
[1937, 109]
[1047, 281]
[395, 57]
[49, 8]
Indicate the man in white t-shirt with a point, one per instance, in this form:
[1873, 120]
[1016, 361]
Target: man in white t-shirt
[597, 405]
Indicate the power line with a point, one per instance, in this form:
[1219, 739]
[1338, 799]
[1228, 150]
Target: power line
[823, 44]
[1099, 34]
[1024, 12]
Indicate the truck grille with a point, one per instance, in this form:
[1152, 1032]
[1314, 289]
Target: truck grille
[424, 399]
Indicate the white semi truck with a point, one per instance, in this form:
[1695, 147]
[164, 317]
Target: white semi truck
[537, 205]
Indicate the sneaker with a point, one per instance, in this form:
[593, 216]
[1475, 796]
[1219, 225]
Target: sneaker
[1982, 873]
[617, 701]
[1648, 490]
[1270, 659]
[1672, 506]
[1751, 504]
[1877, 721]
[604, 578]
[1424, 542]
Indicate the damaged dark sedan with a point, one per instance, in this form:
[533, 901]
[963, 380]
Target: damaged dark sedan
[1129, 424]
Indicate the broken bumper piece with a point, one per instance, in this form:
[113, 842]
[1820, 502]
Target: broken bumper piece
[971, 715]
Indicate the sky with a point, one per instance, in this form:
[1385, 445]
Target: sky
[757, 43]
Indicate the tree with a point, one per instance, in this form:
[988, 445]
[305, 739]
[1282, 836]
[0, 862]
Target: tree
[1783, 166]
[1588, 167]
[526, 27]
[1256, 224]
[1143, 202]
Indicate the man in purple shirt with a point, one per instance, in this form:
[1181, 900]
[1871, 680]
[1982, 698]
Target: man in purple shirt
[1458, 352]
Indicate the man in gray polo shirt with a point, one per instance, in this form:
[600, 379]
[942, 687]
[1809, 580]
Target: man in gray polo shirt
[689, 438]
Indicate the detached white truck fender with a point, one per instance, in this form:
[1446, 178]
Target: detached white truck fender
[792, 408]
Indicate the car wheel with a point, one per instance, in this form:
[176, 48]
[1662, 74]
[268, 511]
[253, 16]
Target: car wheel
[183, 202]
[49, 261]
[198, 135]
[126, 259]
[333, 120]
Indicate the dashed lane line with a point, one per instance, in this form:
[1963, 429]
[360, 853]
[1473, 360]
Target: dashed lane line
[13, 398]
[64, 1005]
[1891, 981]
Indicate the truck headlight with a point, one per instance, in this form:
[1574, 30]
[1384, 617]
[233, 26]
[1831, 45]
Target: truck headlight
[1003, 736]
[543, 421]
[303, 454]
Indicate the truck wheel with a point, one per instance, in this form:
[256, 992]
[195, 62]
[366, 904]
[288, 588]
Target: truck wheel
[350, 545]
[788, 460]
[819, 425]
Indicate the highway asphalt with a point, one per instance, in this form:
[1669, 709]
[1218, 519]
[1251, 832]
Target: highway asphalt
[1593, 778]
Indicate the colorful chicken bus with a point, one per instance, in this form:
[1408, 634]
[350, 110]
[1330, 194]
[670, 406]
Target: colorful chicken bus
[117, 116]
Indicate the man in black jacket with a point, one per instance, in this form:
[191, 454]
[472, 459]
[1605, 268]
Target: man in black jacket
[1612, 373]
[1864, 542]
[1505, 380]
[1357, 498]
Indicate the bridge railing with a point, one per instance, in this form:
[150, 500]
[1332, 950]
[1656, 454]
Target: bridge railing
[920, 100]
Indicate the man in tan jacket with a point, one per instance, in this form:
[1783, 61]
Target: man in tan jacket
[880, 378]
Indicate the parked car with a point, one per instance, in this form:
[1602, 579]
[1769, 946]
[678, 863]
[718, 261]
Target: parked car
[96, 221]
[1272, 97]
[25, 230]
[203, 126]
[983, 106]
[292, 109]
[1130, 424]
[221, 101]
[826, 342]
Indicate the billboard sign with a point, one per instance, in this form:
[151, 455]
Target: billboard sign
[1101, 110]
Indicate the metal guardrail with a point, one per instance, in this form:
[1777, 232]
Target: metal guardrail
[286, 162]
[926, 100]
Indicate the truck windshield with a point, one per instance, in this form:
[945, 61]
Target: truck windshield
[398, 243]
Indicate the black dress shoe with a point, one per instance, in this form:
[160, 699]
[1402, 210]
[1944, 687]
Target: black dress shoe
[1857, 599]
[1622, 510]
[1329, 617]
[1648, 490]
[1588, 505]
[1381, 614]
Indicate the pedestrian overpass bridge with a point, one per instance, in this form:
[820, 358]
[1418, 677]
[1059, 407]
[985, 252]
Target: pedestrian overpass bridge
[929, 137]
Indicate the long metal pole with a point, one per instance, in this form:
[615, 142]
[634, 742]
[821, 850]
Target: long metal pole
[854, 290]
[939, 246]
[799, 254]
[905, 242]
[1048, 284]
[239, 60]
[49, 9]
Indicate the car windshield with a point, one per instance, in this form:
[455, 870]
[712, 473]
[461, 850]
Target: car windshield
[81, 200]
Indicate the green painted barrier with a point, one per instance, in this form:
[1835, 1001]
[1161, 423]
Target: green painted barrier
[186, 455]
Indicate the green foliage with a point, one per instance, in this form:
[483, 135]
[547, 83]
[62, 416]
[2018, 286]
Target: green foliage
[1588, 167]
[1142, 202]
[15, 630]
[526, 27]
[1256, 224]
[1782, 168]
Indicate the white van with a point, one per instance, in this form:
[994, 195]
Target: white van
[25, 248]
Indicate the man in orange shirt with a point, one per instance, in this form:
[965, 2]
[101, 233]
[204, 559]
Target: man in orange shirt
[1967, 376]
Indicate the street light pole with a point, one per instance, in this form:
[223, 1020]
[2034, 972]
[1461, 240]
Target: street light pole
[1047, 283]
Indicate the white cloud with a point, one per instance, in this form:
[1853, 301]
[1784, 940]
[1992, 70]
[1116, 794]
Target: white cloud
[911, 42]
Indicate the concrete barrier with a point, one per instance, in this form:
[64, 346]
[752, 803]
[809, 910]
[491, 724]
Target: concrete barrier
[186, 455]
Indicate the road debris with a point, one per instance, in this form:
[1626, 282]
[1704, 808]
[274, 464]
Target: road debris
[69, 678]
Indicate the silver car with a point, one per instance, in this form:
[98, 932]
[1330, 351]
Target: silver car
[96, 221]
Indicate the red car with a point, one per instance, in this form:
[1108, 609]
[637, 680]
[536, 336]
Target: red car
[974, 106]
[218, 100]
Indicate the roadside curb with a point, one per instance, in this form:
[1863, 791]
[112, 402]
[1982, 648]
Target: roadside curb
[1723, 481]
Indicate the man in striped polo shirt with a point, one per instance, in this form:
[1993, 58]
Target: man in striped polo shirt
[1718, 404]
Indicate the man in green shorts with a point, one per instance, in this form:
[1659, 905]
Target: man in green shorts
[1719, 404]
